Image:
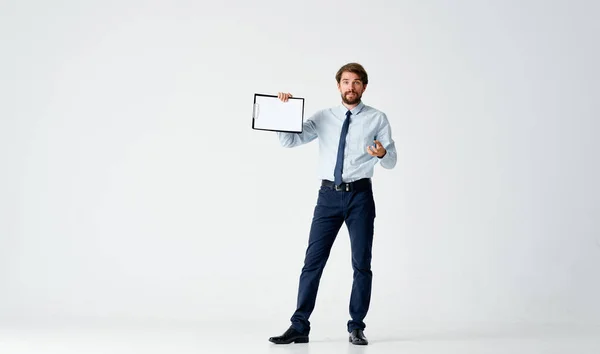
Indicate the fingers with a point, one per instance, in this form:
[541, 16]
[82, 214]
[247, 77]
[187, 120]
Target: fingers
[376, 151]
[376, 147]
[284, 96]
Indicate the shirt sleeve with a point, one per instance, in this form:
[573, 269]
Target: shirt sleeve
[309, 133]
[385, 137]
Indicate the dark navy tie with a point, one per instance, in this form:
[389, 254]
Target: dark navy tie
[339, 164]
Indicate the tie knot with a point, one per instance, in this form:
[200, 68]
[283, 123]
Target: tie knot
[348, 114]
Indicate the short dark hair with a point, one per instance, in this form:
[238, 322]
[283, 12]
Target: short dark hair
[353, 68]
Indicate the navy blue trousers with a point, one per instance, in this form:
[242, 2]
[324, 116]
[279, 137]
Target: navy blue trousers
[357, 210]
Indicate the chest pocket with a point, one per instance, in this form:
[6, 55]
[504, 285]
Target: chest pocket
[355, 135]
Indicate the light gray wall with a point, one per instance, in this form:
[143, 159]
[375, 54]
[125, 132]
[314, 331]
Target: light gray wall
[133, 187]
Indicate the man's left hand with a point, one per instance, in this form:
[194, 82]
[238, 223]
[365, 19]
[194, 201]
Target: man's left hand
[378, 150]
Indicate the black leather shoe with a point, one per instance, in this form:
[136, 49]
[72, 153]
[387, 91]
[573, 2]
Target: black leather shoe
[358, 337]
[291, 335]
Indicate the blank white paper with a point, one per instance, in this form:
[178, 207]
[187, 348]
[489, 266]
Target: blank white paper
[270, 113]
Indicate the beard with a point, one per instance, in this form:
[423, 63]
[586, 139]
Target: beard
[351, 99]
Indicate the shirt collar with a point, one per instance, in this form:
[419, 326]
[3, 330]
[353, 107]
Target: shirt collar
[354, 110]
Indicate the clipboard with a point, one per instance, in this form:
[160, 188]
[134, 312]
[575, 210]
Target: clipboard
[269, 113]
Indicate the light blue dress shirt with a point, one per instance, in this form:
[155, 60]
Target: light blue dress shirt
[366, 123]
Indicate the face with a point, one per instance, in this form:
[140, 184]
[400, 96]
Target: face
[351, 88]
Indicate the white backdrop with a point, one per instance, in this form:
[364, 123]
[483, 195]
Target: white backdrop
[132, 186]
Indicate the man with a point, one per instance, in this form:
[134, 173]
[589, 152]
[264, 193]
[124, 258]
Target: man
[353, 138]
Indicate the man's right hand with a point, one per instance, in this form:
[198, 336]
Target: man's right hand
[284, 96]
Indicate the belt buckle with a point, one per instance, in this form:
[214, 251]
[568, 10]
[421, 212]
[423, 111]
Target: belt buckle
[347, 187]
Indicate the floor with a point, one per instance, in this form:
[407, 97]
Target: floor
[173, 339]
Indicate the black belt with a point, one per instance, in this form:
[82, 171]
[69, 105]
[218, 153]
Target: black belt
[361, 184]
